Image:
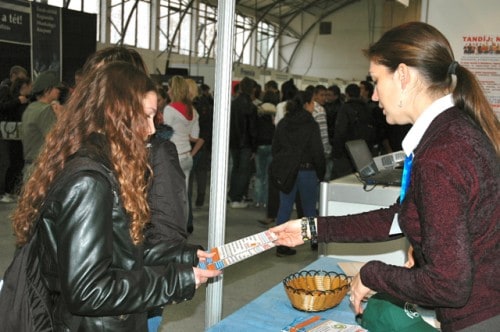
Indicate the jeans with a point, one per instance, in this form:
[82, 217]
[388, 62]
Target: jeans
[307, 184]
[262, 161]
[186, 162]
[199, 173]
[240, 173]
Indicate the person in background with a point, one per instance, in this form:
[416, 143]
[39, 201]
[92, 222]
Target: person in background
[297, 141]
[265, 133]
[183, 118]
[448, 208]
[389, 137]
[242, 142]
[39, 117]
[332, 105]
[257, 94]
[289, 91]
[271, 93]
[14, 178]
[196, 148]
[381, 145]
[90, 228]
[9, 104]
[163, 99]
[354, 121]
[204, 104]
[320, 117]
[7, 100]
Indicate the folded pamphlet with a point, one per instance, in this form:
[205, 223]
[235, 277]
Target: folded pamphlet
[236, 251]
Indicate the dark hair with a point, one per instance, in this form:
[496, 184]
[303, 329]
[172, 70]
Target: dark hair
[353, 91]
[257, 92]
[204, 88]
[335, 89]
[319, 88]
[271, 85]
[423, 47]
[288, 90]
[247, 85]
[310, 88]
[17, 84]
[297, 103]
[368, 87]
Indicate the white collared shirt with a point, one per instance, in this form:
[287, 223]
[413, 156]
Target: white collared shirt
[417, 131]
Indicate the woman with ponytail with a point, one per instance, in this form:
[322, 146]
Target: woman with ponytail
[449, 205]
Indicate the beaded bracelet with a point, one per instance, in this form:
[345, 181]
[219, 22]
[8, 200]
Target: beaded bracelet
[303, 226]
[312, 229]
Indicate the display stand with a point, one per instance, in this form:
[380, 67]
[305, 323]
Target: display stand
[348, 195]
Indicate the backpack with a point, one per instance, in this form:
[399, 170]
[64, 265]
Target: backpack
[26, 304]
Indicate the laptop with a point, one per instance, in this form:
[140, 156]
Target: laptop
[366, 167]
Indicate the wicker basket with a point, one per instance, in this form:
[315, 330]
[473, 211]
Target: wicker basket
[316, 290]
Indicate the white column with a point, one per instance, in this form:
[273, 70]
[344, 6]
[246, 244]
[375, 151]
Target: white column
[220, 148]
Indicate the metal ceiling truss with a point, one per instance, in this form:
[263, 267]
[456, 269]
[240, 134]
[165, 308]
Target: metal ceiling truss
[280, 13]
[189, 6]
[326, 14]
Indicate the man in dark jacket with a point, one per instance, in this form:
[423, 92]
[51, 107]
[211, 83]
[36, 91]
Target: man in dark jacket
[204, 104]
[167, 195]
[354, 121]
[242, 142]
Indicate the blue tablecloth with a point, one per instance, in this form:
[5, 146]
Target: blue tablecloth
[272, 310]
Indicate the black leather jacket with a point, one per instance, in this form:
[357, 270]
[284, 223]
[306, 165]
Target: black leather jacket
[243, 126]
[100, 279]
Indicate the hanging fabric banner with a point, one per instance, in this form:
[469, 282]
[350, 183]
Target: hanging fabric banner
[46, 46]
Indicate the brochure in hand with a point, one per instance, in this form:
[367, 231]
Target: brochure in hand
[239, 250]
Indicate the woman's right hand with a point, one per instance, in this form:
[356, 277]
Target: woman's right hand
[201, 276]
[289, 234]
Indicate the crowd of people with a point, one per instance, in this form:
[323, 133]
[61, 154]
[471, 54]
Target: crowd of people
[116, 251]
[263, 152]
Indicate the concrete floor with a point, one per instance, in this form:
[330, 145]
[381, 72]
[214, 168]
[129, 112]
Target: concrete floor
[241, 282]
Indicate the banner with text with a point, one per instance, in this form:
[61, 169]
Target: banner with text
[481, 55]
[14, 23]
[46, 46]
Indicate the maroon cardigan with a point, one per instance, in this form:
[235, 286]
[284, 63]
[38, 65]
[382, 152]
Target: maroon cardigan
[451, 218]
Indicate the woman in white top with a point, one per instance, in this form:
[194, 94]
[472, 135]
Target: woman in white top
[183, 118]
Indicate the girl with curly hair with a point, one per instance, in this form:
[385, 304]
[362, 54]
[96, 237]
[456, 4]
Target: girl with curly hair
[90, 228]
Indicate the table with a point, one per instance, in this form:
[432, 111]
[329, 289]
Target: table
[272, 310]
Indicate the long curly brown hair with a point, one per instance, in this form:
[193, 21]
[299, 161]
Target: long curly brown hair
[109, 101]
